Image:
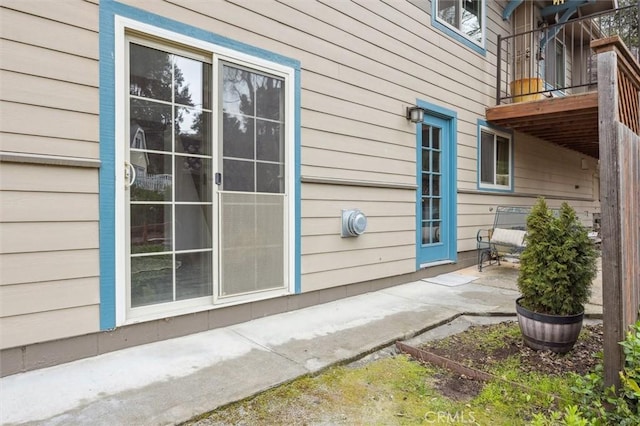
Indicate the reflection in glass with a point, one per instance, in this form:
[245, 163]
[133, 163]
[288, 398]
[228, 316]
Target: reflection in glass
[153, 176]
[502, 161]
[150, 228]
[435, 231]
[426, 188]
[193, 179]
[435, 140]
[270, 178]
[426, 136]
[238, 91]
[436, 185]
[192, 131]
[237, 136]
[150, 73]
[426, 209]
[238, 175]
[435, 203]
[151, 280]
[150, 126]
[193, 227]
[269, 142]
[464, 15]
[269, 96]
[435, 164]
[193, 275]
[191, 80]
[486, 158]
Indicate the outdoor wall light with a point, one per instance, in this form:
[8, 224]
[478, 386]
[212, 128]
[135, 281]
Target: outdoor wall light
[415, 114]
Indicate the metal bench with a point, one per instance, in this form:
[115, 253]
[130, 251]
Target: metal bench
[505, 238]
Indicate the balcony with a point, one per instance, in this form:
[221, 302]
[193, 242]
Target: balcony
[547, 78]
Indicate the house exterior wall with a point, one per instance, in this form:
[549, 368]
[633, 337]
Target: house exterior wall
[362, 64]
[49, 249]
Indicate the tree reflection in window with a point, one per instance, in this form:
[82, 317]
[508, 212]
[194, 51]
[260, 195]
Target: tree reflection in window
[252, 131]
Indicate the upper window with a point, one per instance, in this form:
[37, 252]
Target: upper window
[464, 18]
[495, 153]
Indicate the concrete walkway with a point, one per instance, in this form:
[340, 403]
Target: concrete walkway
[172, 381]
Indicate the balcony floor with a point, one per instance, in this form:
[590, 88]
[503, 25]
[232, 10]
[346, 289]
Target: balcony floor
[569, 121]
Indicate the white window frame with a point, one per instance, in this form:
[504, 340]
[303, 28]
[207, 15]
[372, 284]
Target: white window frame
[483, 28]
[124, 313]
[495, 133]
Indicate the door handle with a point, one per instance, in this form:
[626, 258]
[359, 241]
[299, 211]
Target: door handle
[129, 174]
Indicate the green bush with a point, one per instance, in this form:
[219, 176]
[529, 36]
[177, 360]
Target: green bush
[558, 263]
[600, 405]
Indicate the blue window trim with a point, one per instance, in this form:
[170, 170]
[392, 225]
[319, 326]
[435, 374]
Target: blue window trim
[108, 10]
[459, 36]
[481, 124]
[452, 118]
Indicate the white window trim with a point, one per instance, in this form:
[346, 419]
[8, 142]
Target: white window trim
[494, 132]
[125, 315]
[483, 27]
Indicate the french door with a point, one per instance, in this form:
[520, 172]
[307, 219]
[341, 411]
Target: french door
[436, 182]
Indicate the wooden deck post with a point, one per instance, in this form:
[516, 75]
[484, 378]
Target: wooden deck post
[619, 145]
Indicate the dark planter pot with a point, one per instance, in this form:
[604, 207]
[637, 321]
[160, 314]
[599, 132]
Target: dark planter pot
[555, 333]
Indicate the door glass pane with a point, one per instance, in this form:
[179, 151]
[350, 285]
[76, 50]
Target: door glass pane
[270, 178]
[152, 176]
[427, 237]
[193, 275]
[151, 280]
[193, 179]
[192, 131]
[426, 136]
[238, 134]
[193, 227]
[435, 164]
[192, 82]
[435, 208]
[150, 125]
[238, 91]
[435, 231]
[268, 141]
[435, 140]
[426, 187]
[150, 228]
[426, 209]
[150, 72]
[436, 185]
[269, 96]
[238, 175]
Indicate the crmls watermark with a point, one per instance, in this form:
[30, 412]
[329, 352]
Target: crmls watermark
[443, 417]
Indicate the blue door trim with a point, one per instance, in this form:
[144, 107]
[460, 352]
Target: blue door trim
[449, 167]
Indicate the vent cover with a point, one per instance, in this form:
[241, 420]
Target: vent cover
[354, 223]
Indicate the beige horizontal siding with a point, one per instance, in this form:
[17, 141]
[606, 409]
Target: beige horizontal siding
[336, 277]
[367, 257]
[49, 122]
[53, 35]
[78, 13]
[47, 236]
[47, 296]
[12, 142]
[29, 89]
[48, 266]
[331, 225]
[49, 325]
[27, 59]
[28, 177]
[16, 206]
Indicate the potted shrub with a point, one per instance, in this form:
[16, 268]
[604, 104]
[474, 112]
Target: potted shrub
[557, 268]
